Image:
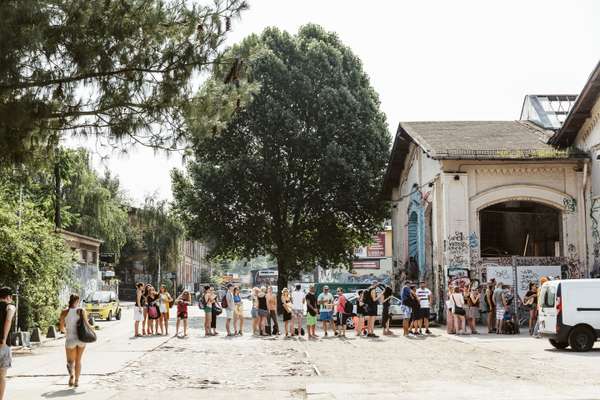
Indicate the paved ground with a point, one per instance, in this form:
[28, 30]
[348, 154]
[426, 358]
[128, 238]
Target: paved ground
[473, 367]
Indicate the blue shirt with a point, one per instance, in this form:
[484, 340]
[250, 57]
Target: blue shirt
[405, 293]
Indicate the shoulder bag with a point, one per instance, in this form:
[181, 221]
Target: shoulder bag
[85, 332]
[458, 310]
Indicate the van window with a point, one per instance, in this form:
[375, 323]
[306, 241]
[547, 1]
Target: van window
[548, 296]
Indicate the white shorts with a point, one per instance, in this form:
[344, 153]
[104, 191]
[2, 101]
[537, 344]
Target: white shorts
[71, 343]
[163, 308]
[138, 314]
[499, 314]
[229, 313]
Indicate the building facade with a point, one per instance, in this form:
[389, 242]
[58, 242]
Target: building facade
[193, 266]
[513, 200]
[85, 272]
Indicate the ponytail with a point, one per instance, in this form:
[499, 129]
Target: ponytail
[73, 299]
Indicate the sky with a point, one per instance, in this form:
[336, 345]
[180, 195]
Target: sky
[428, 60]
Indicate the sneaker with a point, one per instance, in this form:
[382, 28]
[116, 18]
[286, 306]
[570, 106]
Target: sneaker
[427, 331]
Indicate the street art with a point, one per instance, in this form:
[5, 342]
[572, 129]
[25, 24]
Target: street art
[570, 205]
[572, 269]
[595, 226]
[457, 250]
[458, 276]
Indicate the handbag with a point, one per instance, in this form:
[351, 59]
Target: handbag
[85, 332]
[458, 310]
[216, 309]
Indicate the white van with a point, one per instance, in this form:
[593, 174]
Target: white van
[569, 313]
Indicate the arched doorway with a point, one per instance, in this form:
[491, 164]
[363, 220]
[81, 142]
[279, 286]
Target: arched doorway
[520, 228]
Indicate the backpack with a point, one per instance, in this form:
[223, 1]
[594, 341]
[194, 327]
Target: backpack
[348, 307]
[224, 303]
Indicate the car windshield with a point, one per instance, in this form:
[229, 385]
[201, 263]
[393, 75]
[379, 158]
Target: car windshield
[98, 297]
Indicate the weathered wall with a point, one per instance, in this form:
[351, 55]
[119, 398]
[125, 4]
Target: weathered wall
[588, 140]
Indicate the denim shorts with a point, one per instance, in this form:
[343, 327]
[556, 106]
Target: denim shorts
[326, 315]
[406, 310]
[5, 357]
[254, 313]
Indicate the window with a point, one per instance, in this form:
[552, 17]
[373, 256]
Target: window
[549, 297]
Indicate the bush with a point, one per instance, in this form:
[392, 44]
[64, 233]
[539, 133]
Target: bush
[34, 260]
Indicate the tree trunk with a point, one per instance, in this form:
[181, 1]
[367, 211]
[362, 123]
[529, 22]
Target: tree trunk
[282, 282]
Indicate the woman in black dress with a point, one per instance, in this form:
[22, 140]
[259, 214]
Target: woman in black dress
[286, 302]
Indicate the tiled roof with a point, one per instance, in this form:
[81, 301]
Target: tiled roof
[481, 139]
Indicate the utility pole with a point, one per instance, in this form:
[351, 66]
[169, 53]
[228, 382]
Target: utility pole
[57, 184]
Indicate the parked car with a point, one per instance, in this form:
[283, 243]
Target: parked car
[570, 313]
[395, 310]
[103, 304]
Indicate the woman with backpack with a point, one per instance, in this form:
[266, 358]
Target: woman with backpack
[74, 347]
[154, 318]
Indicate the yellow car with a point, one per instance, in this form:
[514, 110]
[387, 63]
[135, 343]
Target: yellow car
[103, 305]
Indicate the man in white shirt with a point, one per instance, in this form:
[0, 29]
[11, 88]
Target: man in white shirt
[425, 299]
[298, 300]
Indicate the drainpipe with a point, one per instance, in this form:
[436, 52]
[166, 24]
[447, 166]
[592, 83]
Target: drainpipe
[585, 221]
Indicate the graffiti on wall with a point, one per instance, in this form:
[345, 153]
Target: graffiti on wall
[570, 205]
[457, 250]
[595, 226]
[572, 268]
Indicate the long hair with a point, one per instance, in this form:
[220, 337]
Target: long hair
[74, 298]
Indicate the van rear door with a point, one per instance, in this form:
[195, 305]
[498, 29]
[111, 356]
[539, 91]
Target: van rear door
[548, 313]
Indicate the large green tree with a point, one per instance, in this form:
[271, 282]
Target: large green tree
[120, 69]
[297, 172]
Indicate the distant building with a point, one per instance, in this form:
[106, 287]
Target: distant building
[86, 273]
[193, 263]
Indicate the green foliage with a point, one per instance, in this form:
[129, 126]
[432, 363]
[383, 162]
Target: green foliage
[33, 257]
[296, 172]
[118, 69]
[89, 204]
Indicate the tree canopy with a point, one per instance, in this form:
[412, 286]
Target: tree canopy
[119, 69]
[296, 172]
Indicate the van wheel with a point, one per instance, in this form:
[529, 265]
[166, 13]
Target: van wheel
[558, 345]
[581, 338]
[109, 316]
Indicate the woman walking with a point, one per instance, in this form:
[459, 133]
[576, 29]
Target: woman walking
[458, 310]
[183, 301]
[272, 308]
[164, 305]
[238, 312]
[286, 302]
[473, 300]
[207, 302]
[263, 310]
[74, 348]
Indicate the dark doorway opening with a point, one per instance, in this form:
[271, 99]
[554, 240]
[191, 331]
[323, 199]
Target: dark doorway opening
[520, 228]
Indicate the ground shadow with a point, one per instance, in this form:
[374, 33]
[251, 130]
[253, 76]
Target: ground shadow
[61, 393]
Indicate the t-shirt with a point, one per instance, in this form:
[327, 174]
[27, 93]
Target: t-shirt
[297, 297]
[230, 301]
[341, 305]
[327, 298]
[311, 300]
[423, 295]
[497, 297]
[405, 295]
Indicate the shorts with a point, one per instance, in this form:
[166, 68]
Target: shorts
[163, 308]
[343, 318]
[263, 313]
[499, 314]
[138, 314]
[298, 313]
[406, 310]
[182, 315]
[229, 313]
[208, 310]
[326, 315]
[72, 343]
[424, 313]
[311, 320]
[372, 310]
[5, 357]
[254, 313]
